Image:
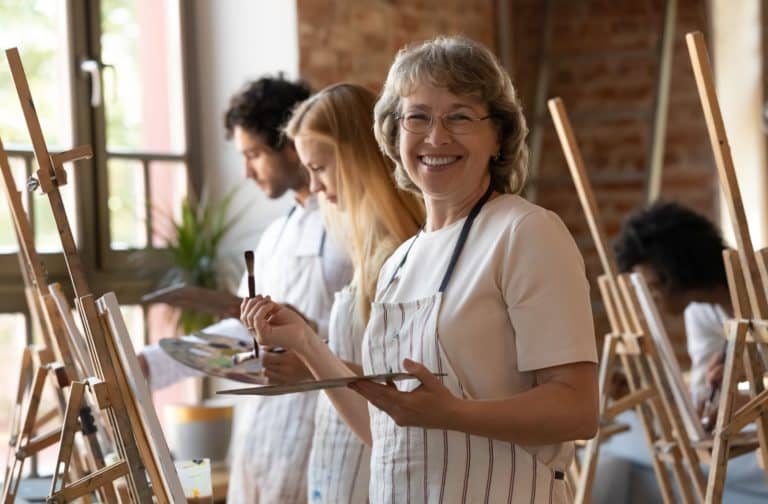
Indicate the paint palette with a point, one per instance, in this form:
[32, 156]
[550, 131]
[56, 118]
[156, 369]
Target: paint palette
[212, 354]
[305, 386]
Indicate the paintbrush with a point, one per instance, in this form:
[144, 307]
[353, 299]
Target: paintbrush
[251, 294]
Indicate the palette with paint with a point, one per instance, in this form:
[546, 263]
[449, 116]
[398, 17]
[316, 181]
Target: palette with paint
[212, 355]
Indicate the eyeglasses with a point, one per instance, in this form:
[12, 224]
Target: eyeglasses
[458, 123]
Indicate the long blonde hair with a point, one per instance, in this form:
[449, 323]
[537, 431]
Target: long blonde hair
[376, 215]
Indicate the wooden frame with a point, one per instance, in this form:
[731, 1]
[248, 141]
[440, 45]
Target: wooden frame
[54, 358]
[83, 38]
[658, 130]
[701, 440]
[628, 342]
[114, 385]
[671, 366]
[155, 451]
[747, 332]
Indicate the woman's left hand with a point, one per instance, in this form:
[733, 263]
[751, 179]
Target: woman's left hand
[431, 405]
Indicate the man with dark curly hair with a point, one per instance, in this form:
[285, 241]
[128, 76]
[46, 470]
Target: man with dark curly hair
[680, 255]
[297, 265]
[254, 120]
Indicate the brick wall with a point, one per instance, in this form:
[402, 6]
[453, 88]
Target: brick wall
[603, 61]
[355, 41]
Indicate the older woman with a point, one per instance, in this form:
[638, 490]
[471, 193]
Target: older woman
[491, 296]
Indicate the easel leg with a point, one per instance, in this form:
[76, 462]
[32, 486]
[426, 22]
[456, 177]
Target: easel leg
[30, 420]
[77, 391]
[718, 465]
[93, 451]
[587, 474]
[695, 478]
[646, 421]
[753, 365]
[25, 383]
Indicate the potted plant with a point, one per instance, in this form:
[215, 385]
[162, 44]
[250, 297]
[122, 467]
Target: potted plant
[193, 249]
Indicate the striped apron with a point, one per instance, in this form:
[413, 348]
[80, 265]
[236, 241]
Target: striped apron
[339, 465]
[273, 435]
[418, 465]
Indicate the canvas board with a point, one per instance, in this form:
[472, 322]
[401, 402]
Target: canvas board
[141, 397]
[191, 297]
[671, 366]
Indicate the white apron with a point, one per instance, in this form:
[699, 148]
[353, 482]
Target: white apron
[273, 435]
[417, 465]
[339, 466]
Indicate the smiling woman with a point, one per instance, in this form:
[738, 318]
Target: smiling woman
[491, 295]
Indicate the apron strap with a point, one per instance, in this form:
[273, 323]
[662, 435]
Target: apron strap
[457, 248]
[282, 228]
[463, 237]
[402, 261]
[321, 249]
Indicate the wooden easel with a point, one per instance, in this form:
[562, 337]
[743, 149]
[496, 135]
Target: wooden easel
[650, 395]
[134, 424]
[747, 332]
[38, 369]
[701, 440]
[53, 359]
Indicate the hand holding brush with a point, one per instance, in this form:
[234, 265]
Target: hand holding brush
[244, 356]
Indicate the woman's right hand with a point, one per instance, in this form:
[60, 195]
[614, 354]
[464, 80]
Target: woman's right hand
[284, 367]
[273, 324]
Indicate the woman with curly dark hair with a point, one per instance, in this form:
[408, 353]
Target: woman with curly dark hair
[680, 255]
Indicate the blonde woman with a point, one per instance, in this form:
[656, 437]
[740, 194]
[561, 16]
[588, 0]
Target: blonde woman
[334, 140]
[491, 295]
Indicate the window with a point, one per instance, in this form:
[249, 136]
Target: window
[109, 73]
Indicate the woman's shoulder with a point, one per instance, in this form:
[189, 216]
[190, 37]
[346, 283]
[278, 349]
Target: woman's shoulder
[704, 313]
[512, 212]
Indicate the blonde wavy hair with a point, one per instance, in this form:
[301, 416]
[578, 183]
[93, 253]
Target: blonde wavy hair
[376, 216]
[464, 67]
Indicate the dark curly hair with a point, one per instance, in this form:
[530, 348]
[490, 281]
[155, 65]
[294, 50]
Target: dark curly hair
[262, 107]
[684, 248]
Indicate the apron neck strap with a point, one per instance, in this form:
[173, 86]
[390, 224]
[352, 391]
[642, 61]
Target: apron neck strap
[321, 249]
[463, 236]
[402, 261]
[282, 228]
[457, 248]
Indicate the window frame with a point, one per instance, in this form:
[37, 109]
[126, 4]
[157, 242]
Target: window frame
[106, 269]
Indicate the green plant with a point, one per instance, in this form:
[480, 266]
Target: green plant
[193, 248]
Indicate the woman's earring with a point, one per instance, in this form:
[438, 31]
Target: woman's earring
[497, 157]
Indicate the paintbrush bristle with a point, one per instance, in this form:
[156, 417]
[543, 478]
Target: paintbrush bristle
[249, 267]
[249, 261]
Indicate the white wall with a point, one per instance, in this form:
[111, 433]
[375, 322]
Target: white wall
[238, 41]
[738, 66]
